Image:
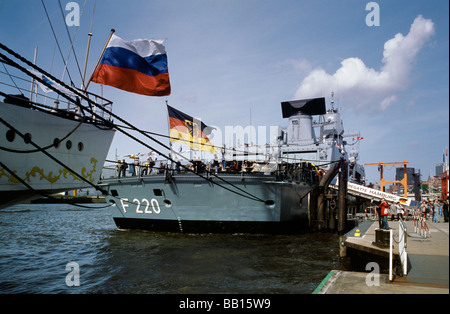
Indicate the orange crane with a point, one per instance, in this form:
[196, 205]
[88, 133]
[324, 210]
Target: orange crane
[383, 182]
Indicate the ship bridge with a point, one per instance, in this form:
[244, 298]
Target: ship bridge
[299, 141]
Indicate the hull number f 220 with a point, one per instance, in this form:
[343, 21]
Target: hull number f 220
[143, 206]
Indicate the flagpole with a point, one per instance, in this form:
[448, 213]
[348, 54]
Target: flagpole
[99, 59]
[168, 127]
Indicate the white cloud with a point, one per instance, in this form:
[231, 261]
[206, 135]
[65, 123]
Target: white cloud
[362, 86]
[301, 65]
[387, 102]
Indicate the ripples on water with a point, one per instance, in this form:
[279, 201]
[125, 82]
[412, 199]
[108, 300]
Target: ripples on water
[37, 242]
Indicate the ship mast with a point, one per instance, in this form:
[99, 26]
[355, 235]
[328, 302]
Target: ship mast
[33, 90]
[88, 47]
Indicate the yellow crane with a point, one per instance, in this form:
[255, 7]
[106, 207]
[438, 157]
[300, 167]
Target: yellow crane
[383, 182]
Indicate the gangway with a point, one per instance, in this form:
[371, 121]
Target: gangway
[374, 195]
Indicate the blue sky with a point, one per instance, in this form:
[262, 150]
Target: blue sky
[230, 57]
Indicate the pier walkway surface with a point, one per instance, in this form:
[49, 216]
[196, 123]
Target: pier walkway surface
[428, 262]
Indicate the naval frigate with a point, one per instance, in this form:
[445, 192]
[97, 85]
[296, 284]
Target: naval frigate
[267, 195]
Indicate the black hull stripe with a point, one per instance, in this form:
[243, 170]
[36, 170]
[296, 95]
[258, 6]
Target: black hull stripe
[189, 226]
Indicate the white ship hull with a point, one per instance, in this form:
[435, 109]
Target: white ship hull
[83, 151]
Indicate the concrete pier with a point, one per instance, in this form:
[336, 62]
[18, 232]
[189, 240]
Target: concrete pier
[428, 262]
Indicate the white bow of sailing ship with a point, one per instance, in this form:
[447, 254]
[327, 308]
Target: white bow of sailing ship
[48, 145]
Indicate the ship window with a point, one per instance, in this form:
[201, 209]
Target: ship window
[56, 142]
[114, 193]
[157, 192]
[27, 138]
[69, 144]
[10, 135]
[80, 146]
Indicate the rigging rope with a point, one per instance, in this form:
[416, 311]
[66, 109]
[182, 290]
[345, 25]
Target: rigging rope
[71, 40]
[118, 127]
[93, 113]
[56, 39]
[98, 188]
[41, 148]
[11, 77]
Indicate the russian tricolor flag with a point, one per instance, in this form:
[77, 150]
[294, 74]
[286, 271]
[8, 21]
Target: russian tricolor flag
[137, 66]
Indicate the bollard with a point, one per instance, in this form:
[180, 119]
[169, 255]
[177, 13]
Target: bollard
[342, 195]
[342, 247]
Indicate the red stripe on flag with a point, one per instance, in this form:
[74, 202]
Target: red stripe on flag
[133, 81]
[174, 122]
[180, 126]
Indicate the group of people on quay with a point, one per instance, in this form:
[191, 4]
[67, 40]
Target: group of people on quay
[435, 209]
[429, 208]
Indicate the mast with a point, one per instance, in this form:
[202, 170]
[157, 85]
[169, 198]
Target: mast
[88, 47]
[33, 84]
[170, 139]
[86, 59]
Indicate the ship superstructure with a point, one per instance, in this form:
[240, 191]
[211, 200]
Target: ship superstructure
[320, 141]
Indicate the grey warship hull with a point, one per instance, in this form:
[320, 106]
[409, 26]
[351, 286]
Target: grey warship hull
[248, 192]
[188, 203]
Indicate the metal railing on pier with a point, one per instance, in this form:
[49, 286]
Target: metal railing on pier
[402, 245]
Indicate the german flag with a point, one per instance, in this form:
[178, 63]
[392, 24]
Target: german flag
[187, 130]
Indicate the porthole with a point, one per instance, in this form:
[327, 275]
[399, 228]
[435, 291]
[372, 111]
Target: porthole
[10, 135]
[56, 142]
[270, 204]
[27, 138]
[69, 145]
[80, 146]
